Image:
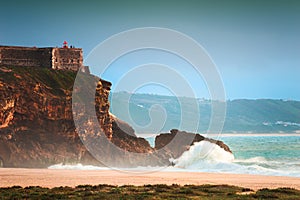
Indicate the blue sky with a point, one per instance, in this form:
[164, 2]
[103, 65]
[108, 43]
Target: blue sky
[255, 44]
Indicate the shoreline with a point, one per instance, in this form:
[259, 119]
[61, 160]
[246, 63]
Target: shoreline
[146, 135]
[61, 177]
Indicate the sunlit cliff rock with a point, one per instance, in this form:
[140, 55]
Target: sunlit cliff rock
[37, 124]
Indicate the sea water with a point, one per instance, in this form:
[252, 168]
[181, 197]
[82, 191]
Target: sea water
[264, 154]
[276, 155]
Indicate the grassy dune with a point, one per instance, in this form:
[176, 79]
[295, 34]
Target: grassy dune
[147, 192]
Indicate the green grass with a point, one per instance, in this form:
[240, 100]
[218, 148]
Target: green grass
[147, 192]
[55, 80]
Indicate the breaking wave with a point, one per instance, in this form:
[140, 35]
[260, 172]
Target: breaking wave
[208, 157]
[201, 154]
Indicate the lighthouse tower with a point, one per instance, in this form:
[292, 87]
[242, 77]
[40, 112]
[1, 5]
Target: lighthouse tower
[65, 45]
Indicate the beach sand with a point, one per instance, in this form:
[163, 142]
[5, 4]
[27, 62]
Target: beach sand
[58, 177]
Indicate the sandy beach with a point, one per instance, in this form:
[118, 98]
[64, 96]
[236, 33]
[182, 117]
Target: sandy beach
[54, 178]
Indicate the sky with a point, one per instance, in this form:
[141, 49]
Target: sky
[255, 45]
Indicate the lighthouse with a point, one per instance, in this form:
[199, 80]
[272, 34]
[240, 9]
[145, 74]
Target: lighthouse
[65, 45]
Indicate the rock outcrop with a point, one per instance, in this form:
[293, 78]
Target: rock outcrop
[37, 126]
[176, 142]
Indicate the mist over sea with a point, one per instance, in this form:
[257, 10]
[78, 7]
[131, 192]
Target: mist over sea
[261, 154]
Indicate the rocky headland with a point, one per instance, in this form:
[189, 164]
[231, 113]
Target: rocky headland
[37, 125]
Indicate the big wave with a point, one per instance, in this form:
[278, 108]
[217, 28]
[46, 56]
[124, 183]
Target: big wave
[208, 157]
[202, 153]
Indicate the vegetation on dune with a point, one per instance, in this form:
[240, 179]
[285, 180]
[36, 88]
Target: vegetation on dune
[160, 191]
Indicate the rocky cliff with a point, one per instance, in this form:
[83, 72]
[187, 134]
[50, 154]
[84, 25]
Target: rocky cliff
[37, 125]
[36, 122]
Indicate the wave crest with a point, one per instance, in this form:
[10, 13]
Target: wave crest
[202, 153]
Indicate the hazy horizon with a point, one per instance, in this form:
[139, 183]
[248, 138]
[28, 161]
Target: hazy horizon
[170, 95]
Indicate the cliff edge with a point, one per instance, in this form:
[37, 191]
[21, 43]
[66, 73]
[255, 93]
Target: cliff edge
[37, 127]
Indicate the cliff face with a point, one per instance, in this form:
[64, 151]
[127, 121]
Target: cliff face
[37, 125]
[36, 121]
[36, 117]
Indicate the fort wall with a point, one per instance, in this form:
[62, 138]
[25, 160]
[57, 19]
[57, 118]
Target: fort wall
[25, 56]
[67, 58]
[55, 58]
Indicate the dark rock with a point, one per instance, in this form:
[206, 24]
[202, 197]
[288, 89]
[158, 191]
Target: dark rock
[176, 142]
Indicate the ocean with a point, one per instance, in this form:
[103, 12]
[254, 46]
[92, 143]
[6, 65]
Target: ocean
[266, 154]
[261, 154]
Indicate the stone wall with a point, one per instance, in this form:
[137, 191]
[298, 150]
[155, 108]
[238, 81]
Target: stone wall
[67, 58]
[25, 56]
[55, 58]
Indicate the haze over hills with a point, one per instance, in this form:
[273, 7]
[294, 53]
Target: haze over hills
[242, 115]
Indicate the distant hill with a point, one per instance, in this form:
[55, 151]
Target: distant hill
[243, 115]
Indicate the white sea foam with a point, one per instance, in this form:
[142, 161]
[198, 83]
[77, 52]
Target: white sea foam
[76, 167]
[201, 153]
[207, 157]
[257, 159]
[201, 166]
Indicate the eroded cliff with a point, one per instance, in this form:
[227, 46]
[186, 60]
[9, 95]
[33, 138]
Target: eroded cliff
[37, 125]
[36, 121]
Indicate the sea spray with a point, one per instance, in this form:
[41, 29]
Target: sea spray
[201, 153]
[77, 166]
[258, 154]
